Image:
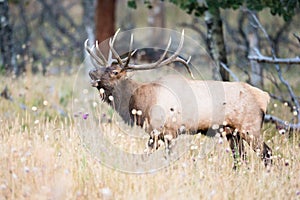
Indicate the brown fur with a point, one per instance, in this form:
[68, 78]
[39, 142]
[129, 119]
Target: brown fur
[174, 102]
[142, 99]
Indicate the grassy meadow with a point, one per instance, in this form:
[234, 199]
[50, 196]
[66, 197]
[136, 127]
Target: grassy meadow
[43, 157]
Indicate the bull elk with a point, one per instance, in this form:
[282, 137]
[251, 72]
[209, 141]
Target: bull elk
[174, 105]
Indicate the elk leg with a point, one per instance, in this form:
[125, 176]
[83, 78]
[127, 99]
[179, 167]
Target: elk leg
[264, 150]
[155, 139]
[158, 138]
[267, 154]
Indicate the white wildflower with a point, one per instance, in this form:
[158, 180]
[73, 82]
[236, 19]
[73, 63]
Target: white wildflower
[106, 192]
[101, 91]
[281, 131]
[160, 143]
[168, 137]
[45, 103]
[46, 137]
[111, 98]
[194, 147]
[34, 108]
[139, 112]
[215, 126]
[295, 113]
[133, 111]
[95, 104]
[26, 169]
[174, 119]
[14, 176]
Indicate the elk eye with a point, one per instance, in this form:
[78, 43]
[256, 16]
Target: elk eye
[115, 72]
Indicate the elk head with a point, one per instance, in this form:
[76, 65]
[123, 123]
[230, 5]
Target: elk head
[108, 73]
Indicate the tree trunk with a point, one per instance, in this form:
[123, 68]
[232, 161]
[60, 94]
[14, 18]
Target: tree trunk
[105, 19]
[104, 22]
[253, 41]
[215, 43]
[6, 38]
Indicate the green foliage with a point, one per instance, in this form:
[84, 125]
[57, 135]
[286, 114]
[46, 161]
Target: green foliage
[26, 2]
[65, 98]
[2, 70]
[284, 8]
[111, 112]
[14, 1]
[131, 4]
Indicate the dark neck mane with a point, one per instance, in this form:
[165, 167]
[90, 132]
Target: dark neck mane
[122, 93]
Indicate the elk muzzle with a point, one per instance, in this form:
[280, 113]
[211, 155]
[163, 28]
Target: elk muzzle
[95, 80]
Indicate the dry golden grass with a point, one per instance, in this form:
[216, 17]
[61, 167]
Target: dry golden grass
[42, 157]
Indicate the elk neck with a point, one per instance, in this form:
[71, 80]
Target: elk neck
[121, 93]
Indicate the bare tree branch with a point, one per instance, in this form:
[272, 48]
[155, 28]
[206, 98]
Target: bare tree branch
[297, 36]
[291, 91]
[285, 124]
[263, 30]
[241, 31]
[266, 59]
[235, 78]
[55, 23]
[277, 36]
[60, 10]
[294, 98]
[233, 33]
[193, 27]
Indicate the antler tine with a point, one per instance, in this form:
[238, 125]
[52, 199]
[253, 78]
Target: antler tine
[174, 56]
[102, 57]
[95, 64]
[111, 45]
[93, 55]
[161, 62]
[110, 59]
[129, 52]
[186, 65]
[152, 65]
[165, 52]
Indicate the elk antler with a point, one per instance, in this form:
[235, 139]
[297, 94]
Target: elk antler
[115, 53]
[125, 62]
[94, 57]
[100, 53]
[111, 46]
[161, 61]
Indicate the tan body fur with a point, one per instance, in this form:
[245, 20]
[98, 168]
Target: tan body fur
[174, 105]
[174, 102]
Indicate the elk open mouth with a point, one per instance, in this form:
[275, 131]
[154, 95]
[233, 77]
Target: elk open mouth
[95, 81]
